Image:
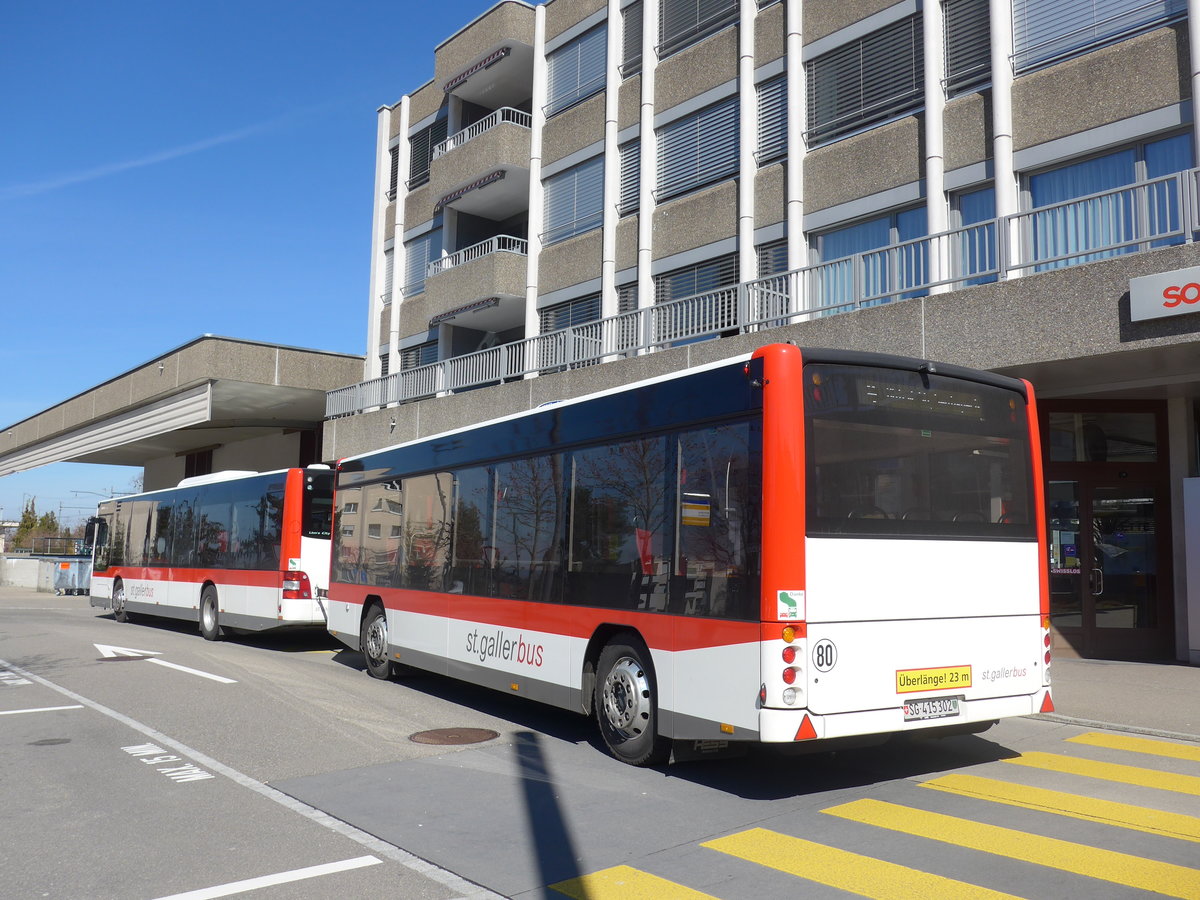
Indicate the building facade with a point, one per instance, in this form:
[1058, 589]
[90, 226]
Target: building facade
[592, 191]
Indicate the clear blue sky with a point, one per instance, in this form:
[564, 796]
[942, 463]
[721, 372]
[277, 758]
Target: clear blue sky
[172, 169]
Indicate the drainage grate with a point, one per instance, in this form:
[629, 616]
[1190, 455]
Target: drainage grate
[454, 736]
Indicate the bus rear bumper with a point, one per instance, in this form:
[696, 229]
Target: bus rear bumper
[788, 725]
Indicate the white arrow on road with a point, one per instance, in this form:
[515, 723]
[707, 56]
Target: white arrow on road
[108, 651]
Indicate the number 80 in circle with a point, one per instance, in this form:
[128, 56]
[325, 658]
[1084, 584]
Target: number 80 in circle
[824, 655]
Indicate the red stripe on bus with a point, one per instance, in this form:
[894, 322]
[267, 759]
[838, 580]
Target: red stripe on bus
[660, 631]
[239, 577]
[1039, 501]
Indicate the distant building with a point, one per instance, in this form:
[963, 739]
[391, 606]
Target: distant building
[655, 183]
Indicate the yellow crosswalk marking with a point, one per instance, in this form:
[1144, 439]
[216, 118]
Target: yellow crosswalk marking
[842, 869]
[1107, 812]
[1187, 752]
[1080, 859]
[625, 883]
[1090, 768]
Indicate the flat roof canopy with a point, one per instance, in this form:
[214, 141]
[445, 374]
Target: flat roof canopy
[210, 391]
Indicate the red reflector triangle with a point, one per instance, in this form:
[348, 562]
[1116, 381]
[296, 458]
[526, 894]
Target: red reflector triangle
[1047, 704]
[806, 732]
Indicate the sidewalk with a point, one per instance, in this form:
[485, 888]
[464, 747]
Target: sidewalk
[1153, 698]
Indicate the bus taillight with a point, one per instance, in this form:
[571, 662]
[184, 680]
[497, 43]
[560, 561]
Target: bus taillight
[296, 586]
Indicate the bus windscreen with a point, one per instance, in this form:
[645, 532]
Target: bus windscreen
[899, 453]
[318, 504]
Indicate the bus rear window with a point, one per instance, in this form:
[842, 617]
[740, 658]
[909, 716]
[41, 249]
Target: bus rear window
[318, 504]
[896, 453]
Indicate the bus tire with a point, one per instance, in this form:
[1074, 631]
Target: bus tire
[120, 613]
[374, 643]
[210, 624]
[626, 704]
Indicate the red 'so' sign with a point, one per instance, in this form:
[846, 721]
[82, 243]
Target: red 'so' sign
[1176, 294]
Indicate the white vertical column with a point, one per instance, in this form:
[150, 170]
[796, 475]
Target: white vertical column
[937, 210]
[797, 101]
[536, 198]
[648, 161]
[1194, 52]
[383, 160]
[747, 142]
[399, 253]
[612, 164]
[1007, 197]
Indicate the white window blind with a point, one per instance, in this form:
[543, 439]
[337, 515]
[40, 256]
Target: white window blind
[422, 144]
[389, 268]
[631, 38]
[417, 254]
[698, 149]
[576, 70]
[574, 200]
[968, 45]
[685, 22]
[571, 312]
[696, 279]
[867, 81]
[772, 258]
[772, 120]
[1046, 30]
[420, 355]
[631, 179]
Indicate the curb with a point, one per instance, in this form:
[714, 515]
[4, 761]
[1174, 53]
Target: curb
[1113, 726]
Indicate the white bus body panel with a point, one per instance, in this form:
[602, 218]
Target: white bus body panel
[890, 606]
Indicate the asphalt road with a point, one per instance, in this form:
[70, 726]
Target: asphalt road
[274, 767]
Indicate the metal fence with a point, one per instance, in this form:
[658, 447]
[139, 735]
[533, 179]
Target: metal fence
[499, 117]
[1138, 217]
[501, 243]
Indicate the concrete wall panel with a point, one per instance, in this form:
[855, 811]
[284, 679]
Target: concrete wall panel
[865, 164]
[570, 262]
[967, 130]
[693, 71]
[824, 17]
[770, 195]
[573, 129]
[696, 220]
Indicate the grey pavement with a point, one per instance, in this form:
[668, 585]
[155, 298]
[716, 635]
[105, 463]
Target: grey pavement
[1151, 698]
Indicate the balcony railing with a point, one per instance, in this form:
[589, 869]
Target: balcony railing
[502, 243]
[499, 117]
[1130, 219]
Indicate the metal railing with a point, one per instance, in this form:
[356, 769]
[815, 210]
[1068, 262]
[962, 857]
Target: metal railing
[1138, 217]
[501, 243]
[499, 117]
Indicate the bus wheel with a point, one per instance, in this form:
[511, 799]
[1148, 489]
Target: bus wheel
[374, 643]
[118, 602]
[210, 625]
[627, 706]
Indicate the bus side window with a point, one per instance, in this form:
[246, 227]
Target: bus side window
[529, 525]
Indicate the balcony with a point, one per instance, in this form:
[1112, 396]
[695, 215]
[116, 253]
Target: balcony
[490, 61]
[484, 169]
[1139, 217]
[481, 287]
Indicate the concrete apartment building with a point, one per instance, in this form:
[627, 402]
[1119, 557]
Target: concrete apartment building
[588, 193]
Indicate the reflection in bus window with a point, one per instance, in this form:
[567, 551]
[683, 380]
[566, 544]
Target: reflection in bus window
[617, 549]
[427, 530]
[719, 503]
[379, 531]
[473, 554]
[529, 528]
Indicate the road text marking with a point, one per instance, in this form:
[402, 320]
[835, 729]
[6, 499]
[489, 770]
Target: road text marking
[108, 651]
[253, 884]
[153, 755]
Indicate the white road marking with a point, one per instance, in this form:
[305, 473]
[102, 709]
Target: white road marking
[251, 884]
[171, 665]
[13, 712]
[108, 651]
[443, 876]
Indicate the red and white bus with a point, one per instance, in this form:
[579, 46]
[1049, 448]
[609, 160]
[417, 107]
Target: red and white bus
[239, 550]
[797, 545]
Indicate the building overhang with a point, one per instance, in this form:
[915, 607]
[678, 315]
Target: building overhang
[209, 392]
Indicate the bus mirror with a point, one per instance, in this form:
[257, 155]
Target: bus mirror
[89, 532]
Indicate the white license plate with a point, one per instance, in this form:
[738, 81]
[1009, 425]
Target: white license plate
[930, 708]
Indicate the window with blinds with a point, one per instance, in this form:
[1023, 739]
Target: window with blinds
[422, 144]
[576, 70]
[631, 177]
[574, 200]
[772, 120]
[417, 254]
[627, 295]
[682, 23]
[696, 279]
[1045, 31]
[389, 268]
[420, 355]
[385, 362]
[631, 39]
[698, 149]
[968, 45]
[572, 312]
[394, 177]
[772, 258]
[868, 81]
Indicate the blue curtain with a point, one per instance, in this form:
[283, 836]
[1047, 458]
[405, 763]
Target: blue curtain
[977, 245]
[870, 247]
